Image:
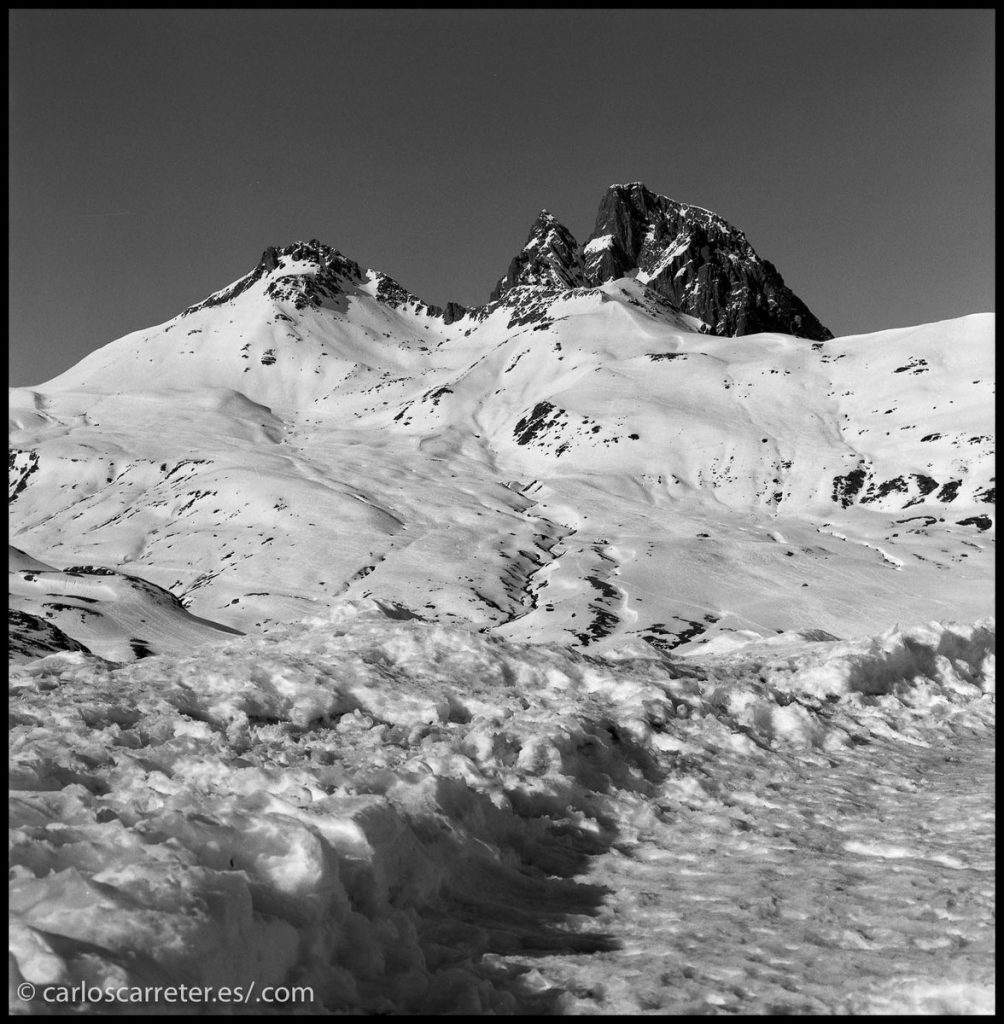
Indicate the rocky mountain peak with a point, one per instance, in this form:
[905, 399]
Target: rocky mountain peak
[694, 259]
[550, 259]
[312, 274]
[301, 272]
[687, 257]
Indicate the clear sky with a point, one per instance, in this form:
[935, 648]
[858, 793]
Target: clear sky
[155, 154]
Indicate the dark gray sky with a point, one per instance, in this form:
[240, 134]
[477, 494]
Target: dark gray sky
[155, 154]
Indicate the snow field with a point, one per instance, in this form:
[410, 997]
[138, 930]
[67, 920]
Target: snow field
[400, 813]
[365, 461]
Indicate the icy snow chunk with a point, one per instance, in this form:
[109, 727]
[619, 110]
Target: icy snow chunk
[920, 995]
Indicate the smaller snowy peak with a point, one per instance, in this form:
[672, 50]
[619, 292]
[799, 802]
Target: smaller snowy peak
[301, 273]
[550, 259]
[312, 274]
[392, 294]
[696, 260]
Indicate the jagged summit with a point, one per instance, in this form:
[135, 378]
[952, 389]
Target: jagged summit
[689, 256]
[697, 261]
[550, 259]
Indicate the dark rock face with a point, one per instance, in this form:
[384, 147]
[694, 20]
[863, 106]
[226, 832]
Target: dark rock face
[453, 312]
[20, 466]
[32, 637]
[690, 258]
[390, 293]
[695, 260]
[550, 259]
[980, 522]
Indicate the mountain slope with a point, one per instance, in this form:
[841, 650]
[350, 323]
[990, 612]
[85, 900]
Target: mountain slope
[108, 613]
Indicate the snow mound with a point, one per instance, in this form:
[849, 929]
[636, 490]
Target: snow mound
[888, 684]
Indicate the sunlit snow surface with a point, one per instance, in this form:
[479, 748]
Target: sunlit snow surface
[412, 817]
[544, 481]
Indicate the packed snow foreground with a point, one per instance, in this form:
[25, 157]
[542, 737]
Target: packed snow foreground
[368, 813]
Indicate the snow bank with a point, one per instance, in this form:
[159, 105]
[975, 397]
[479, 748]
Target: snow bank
[894, 684]
[368, 806]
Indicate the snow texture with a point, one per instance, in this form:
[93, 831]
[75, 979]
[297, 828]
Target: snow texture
[410, 817]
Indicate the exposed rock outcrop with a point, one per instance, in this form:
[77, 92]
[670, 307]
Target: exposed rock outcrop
[697, 261]
[551, 259]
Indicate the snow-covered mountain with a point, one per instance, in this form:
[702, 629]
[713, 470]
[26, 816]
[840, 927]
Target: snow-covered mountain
[588, 661]
[568, 463]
